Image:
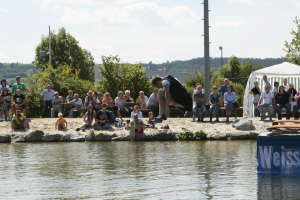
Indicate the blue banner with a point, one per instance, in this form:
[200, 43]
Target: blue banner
[278, 155]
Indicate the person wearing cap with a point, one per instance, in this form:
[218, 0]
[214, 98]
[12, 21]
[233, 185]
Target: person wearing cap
[102, 119]
[61, 123]
[215, 102]
[19, 121]
[18, 85]
[56, 103]
[89, 99]
[18, 102]
[47, 96]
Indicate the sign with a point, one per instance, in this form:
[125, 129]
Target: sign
[278, 155]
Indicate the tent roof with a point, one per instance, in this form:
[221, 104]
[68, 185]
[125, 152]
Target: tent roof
[284, 68]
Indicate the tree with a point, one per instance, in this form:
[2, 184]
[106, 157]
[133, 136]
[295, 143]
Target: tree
[231, 69]
[60, 80]
[292, 49]
[1, 66]
[119, 76]
[65, 49]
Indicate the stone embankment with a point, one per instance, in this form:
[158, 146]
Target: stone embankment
[42, 130]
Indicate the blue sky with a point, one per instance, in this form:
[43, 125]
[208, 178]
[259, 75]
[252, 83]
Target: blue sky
[153, 30]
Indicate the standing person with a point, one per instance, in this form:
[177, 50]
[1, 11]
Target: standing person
[297, 106]
[199, 108]
[230, 102]
[172, 91]
[266, 100]
[292, 91]
[77, 103]
[19, 85]
[6, 98]
[102, 118]
[56, 102]
[265, 78]
[4, 85]
[69, 99]
[255, 91]
[142, 100]
[283, 100]
[285, 84]
[215, 102]
[18, 102]
[88, 118]
[223, 90]
[132, 126]
[89, 99]
[153, 102]
[47, 96]
[61, 123]
[19, 121]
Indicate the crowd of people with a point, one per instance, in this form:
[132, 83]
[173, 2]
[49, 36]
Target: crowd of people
[282, 96]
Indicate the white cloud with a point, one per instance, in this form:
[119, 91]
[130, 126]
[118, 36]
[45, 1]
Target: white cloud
[227, 24]
[1, 54]
[4, 10]
[266, 2]
[145, 13]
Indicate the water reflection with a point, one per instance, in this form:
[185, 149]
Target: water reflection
[125, 170]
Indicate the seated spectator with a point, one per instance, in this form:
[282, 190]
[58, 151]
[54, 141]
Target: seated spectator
[107, 98]
[266, 101]
[69, 105]
[77, 103]
[140, 126]
[6, 101]
[56, 103]
[98, 101]
[223, 90]
[4, 85]
[61, 123]
[275, 89]
[127, 96]
[19, 121]
[18, 85]
[89, 99]
[153, 102]
[142, 100]
[255, 91]
[47, 96]
[136, 110]
[113, 111]
[102, 119]
[215, 102]
[283, 100]
[297, 106]
[195, 90]
[230, 102]
[292, 91]
[120, 99]
[88, 118]
[150, 120]
[18, 103]
[199, 108]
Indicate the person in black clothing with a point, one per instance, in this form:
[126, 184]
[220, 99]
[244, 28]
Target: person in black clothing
[283, 100]
[255, 91]
[172, 92]
[292, 91]
[102, 118]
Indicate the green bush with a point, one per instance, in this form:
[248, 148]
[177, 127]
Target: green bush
[190, 135]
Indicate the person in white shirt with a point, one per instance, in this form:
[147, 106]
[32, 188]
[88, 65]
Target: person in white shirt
[78, 105]
[136, 110]
[142, 100]
[266, 101]
[119, 100]
[153, 102]
[275, 89]
[4, 85]
[47, 96]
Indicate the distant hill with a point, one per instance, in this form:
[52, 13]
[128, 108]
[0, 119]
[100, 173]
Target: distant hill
[196, 64]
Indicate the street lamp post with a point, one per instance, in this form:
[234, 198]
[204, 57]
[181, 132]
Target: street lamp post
[221, 48]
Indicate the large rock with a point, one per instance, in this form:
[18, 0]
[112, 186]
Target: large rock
[104, 136]
[52, 137]
[218, 136]
[253, 135]
[164, 136]
[90, 136]
[243, 135]
[18, 138]
[34, 136]
[244, 124]
[144, 137]
[73, 137]
[5, 138]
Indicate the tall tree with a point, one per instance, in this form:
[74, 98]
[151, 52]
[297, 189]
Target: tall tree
[292, 48]
[119, 76]
[65, 49]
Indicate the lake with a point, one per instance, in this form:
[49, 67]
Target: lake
[138, 170]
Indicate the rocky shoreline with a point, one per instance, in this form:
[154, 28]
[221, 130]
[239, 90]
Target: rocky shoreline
[42, 130]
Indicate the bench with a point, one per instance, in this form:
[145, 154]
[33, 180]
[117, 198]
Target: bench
[76, 113]
[233, 109]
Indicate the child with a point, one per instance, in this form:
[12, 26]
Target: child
[150, 120]
[61, 123]
[88, 118]
[136, 110]
[132, 127]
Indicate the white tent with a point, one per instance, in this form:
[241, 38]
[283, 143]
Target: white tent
[274, 73]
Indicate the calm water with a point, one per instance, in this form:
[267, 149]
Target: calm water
[125, 170]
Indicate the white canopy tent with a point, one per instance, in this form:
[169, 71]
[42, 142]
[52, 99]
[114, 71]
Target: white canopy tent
[274, 73]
